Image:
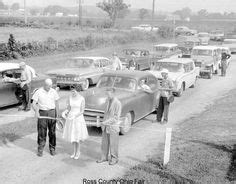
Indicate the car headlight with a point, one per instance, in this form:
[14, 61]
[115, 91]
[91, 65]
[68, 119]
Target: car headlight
[76, 79]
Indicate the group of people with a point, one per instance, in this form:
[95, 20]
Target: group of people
[224, 63]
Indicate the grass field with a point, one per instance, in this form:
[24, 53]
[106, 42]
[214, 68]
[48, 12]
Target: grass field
[203, 149]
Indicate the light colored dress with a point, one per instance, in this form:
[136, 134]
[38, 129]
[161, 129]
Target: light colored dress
[75, 129]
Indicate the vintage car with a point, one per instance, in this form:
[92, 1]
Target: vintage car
[217, 35]
[208, 59]
[135, 59]
[145, 28]
[166, 50]
[8, 87]
[204, 38]
[136, 103]
[186, 44]
[84, 71]
[231, 43]
[182, 72]
[183, 30]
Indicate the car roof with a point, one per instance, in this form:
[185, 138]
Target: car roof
[135, 49]
[203, 33]
[8, 66]
[90, 57]
[166, 45]
[175, 60]
[202, 47]
[131, 74]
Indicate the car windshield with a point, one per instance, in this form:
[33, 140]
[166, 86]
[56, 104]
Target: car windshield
[117, 82]
[132, 52]
[79, 63]
[171, 66]
[202, 52]
[161, 48]
[203, 35]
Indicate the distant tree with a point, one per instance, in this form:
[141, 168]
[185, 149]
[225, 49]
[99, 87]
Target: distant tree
[184, 13]
[202, 13]
[143, 13]
[123, 13]
[113, 8]
[15, 6]
[34, 11]
[2, 5]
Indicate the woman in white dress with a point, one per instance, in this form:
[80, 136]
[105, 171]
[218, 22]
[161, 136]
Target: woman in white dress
[75, 129]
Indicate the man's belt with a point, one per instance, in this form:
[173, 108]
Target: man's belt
[47, 110]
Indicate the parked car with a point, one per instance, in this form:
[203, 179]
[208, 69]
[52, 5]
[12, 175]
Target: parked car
[166, 50]
[8, 87]
[145, 28]
[136, 59]
[182, 72]
[204, 38]
[186, 44]
[226, 50]
[183, 30]
[231, 44]
[217, 35]
[208, 59]
[84, 71]
[136, 103]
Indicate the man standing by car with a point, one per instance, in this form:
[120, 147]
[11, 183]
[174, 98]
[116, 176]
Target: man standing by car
[224, 63]
[24, 86]
[117, 65]
[110, 129]
[166, 86]
[45, 104]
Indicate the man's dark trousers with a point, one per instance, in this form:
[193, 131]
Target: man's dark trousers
[163, 109]
[43, 126]
[26, 96]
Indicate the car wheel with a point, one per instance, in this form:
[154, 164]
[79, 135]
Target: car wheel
[85, 85]
[210, 74]
[194, 84]
[127, 124]
[180, 92]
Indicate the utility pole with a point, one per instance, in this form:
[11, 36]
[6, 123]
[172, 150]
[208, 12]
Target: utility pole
[153, 11]
[80, 13]
[25, 12]
[174, 28]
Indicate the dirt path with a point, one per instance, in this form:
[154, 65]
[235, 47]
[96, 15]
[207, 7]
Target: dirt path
[19, 163]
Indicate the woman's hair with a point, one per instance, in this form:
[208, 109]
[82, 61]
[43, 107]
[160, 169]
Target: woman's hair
[78, 88]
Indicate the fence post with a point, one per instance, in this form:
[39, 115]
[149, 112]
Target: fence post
[167, 146]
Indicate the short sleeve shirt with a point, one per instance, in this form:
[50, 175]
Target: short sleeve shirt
[166, 83]
[46, 99]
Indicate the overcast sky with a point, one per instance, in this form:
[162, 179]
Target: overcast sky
[161, 5]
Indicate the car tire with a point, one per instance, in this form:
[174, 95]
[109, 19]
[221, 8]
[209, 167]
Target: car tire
[127, 124]
[194, 84]
[180, 92]
[85, 85]
[210, 74]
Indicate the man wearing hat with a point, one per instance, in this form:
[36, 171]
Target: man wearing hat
[224, 64]
[166, 86]
[24, 85]
[117, 65]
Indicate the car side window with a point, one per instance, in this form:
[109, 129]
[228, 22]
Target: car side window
[97, 63]
[186, 68]
[191, 66]
[152, 82]
[12, 73]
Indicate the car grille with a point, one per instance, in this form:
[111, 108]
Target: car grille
[93, 116]
[64, 78]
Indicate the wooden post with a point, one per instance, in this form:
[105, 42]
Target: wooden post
[25, 12]
[167, 146]
[153, 11]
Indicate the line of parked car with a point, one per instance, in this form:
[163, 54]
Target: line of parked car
[138, 65]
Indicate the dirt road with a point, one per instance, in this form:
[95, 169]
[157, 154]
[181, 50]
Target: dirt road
[19, 163]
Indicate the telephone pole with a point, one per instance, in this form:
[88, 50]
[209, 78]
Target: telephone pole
[25, 12]
[153, 11]
[80, 13]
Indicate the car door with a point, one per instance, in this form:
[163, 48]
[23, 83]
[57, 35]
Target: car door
[7, 90]
[153, 97]
[188, 73]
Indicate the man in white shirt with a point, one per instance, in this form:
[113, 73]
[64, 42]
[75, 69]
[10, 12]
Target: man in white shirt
[117, 65]
[24, 85]
[45, 103]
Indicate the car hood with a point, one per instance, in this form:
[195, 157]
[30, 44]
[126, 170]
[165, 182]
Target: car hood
[172, 75]
[96, 98]
[71, 71]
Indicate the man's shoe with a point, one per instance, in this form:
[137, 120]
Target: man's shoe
[40, 154]
[52, 152]
[165, 122]
[113, 162]
[101, 161]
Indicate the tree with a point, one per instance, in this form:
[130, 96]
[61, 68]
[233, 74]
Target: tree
[113, 8]
[202, 13]
[2, 5]
[15, 6]
[143, 13]
[184, 13]
[53, 9]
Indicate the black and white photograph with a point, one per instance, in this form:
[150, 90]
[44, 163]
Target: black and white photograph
[117, 92]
